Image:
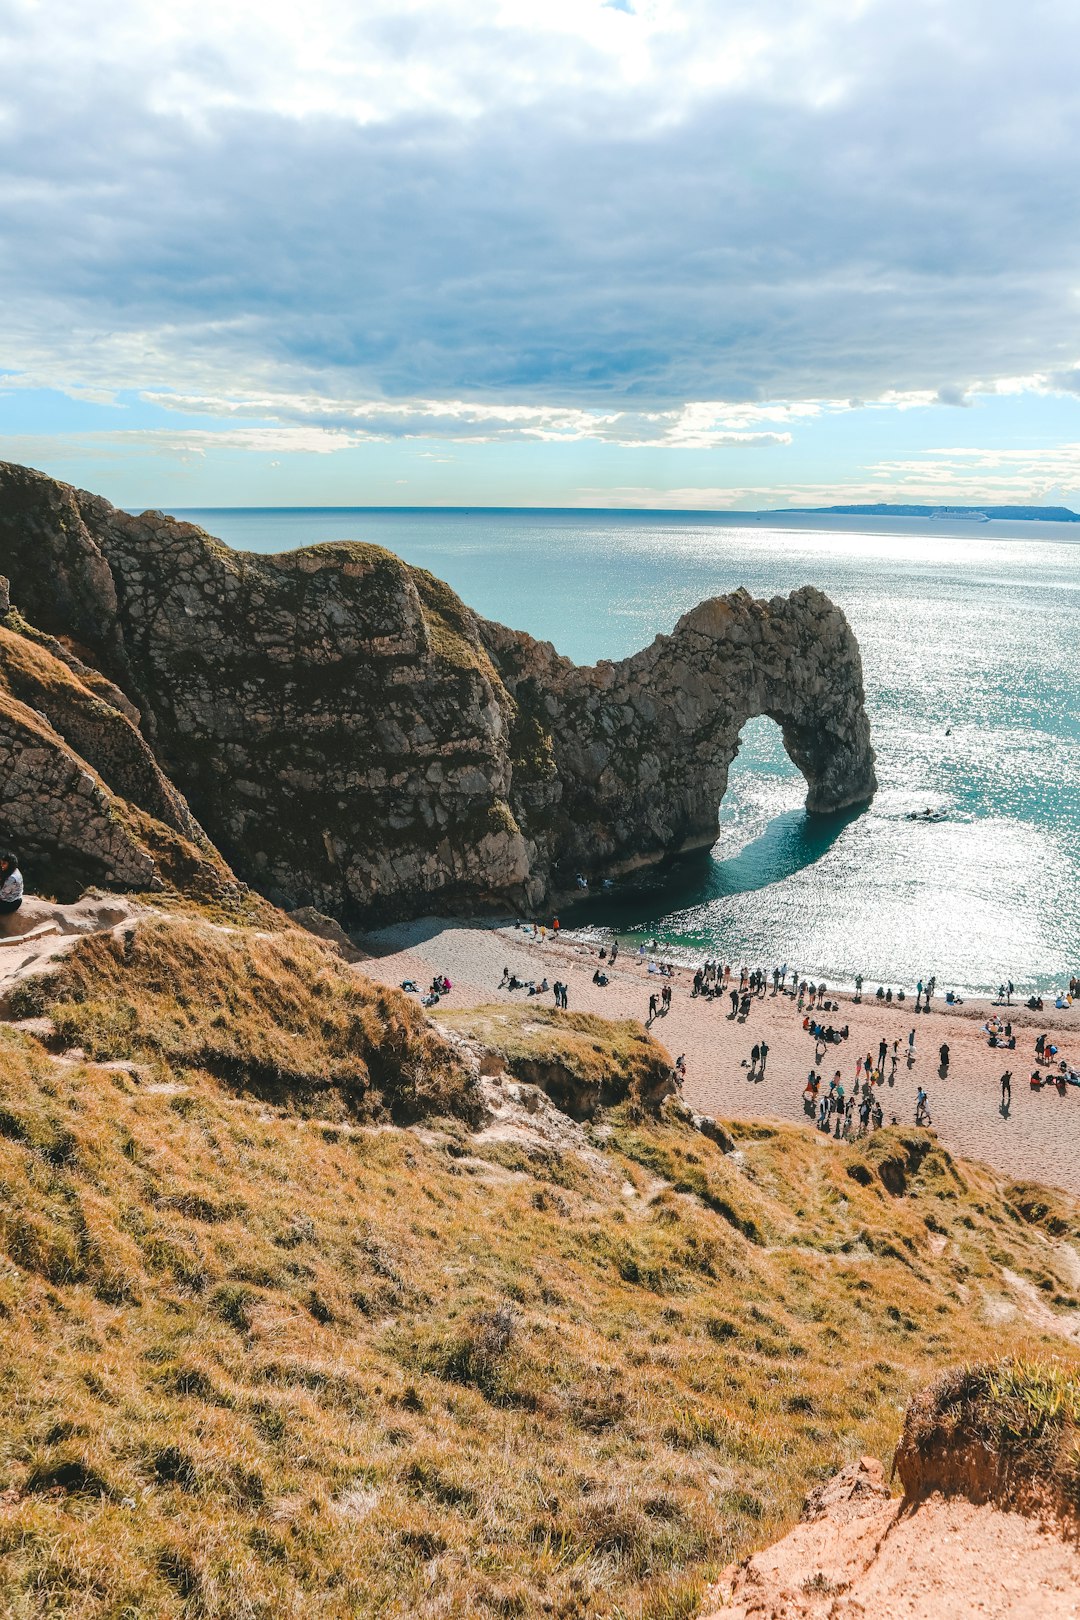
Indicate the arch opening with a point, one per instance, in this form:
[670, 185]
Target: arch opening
[765, 832]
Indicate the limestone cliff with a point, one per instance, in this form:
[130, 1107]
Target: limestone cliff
[81, 793]
[352, 736]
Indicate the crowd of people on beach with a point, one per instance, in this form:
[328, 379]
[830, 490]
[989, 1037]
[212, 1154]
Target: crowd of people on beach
[842, 1111]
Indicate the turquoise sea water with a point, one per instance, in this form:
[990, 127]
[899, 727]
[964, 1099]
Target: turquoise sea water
[970, 639]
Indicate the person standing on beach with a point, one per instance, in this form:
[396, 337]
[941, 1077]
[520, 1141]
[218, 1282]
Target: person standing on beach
[943, 1054]
[911, 1046]
[652, 1007]
[1006, 1090]
[764, 1056]
[883, 1047]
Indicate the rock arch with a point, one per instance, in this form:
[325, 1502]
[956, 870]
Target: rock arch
[639, 751]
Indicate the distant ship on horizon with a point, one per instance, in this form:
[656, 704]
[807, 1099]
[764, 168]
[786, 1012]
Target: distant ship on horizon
[960, 512]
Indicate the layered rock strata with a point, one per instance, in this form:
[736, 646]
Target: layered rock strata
[352, 737]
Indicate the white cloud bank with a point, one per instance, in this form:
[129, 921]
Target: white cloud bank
[685, 226]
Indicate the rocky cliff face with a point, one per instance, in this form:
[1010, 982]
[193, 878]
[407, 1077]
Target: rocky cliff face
[80, 790]
[351, 736]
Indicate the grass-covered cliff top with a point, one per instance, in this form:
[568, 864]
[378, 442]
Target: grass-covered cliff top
[260, 1358]
[277, 1014]
[580, 1059]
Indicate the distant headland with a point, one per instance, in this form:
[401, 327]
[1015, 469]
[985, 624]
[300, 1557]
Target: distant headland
[1034, 514]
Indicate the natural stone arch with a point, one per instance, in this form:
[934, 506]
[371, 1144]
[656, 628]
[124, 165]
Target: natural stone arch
[640, 750]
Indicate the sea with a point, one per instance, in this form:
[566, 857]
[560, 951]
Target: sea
[970, 638]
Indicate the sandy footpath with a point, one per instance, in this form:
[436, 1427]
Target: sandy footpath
[1039, 1139]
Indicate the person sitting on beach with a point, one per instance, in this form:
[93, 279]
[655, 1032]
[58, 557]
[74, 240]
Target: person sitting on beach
[411, 986]
[11, 884]
[1036, 1080]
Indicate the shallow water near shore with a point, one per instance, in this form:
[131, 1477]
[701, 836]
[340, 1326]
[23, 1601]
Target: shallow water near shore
[970, 639]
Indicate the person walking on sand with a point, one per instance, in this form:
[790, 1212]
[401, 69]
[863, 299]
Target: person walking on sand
[755, 1058]
[883, 1047]
[911, 1047]
[764, 1056]
[652, 1007]
[922, 1108]
[1006, 1091]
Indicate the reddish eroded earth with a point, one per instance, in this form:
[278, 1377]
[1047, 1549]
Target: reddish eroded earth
[860, 1553]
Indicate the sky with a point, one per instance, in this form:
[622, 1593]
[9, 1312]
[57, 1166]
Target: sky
[648, 253]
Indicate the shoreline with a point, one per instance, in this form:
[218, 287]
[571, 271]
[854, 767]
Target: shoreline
[686, 959]
[1033, 1140]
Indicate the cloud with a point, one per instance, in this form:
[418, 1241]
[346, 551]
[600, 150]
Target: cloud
[958, 476]
[541, 221]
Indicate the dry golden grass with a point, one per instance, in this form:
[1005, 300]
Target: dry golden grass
[581, 1060]
[256, 1364]
[278, 1014]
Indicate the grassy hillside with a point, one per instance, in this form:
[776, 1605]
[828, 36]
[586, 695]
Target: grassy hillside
[266, 1354]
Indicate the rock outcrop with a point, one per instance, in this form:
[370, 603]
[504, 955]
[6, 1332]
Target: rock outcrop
[352, 737]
